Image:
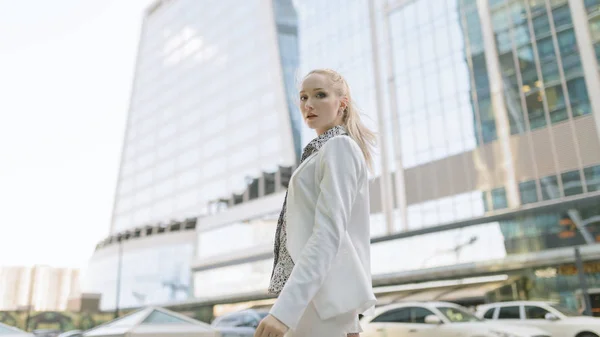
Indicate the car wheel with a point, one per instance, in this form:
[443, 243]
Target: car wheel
[587, 334]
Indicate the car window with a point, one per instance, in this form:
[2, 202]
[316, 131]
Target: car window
[535, 312]
[457, 315]
[418, 314]
[394, 316]
[509, 312]
[489, 314]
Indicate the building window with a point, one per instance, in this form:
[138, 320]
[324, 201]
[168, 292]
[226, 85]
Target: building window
[528, 192]
[499, 198]
[592, 178]
[556, 104]
[562, 17]
[535, 110]
[592, 6]
[571, 183]
[541, 24]
[578, 95]
[550, 72]
[549, 187]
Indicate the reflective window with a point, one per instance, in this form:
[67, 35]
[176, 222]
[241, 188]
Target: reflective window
[549, 187]
[226, 281]
[512, 312]
[499, 200]
[419, 314]
[166, 279]
[562, 16]
[578, 96]
[550, 72]
[592, 6]
[571, 183]
[592, 178]
[394, 316]
[569, 53]
[541, 24]
[535, 312]
[191, 85]
[528, 192]
[556, 104]
[535, 110]
[240, 236]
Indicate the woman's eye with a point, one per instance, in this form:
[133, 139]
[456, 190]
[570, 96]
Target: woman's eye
[303, 98]
[321, 95]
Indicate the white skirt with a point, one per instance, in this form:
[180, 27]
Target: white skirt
[311, 325]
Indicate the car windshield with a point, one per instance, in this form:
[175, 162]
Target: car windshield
[456, 315]
[565, 311]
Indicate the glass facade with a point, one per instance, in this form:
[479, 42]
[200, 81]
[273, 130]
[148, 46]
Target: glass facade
[241, 236]
[540, 63]
[484, 242]
[460, 105]
[155, 274]
[204, 97]
[336, 34]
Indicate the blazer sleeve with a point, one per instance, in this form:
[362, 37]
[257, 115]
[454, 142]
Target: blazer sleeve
[341, 165]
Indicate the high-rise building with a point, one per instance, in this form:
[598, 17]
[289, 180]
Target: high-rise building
[488, 173]
[40, 288]
[212, 125]
[489, 167]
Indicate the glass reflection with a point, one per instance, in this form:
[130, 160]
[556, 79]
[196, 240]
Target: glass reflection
[179, 118]
[166, 279]
[240, 236]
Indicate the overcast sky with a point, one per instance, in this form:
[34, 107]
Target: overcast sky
[66, 69]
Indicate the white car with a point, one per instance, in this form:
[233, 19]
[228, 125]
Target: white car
[437, 319]
[556, 320]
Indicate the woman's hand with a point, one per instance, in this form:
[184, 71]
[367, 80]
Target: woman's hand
[270, 327]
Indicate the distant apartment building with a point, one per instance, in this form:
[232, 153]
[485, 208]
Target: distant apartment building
[43, 288]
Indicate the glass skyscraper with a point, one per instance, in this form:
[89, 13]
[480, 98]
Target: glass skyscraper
[212, 124]
[490, 131]
[488, 171]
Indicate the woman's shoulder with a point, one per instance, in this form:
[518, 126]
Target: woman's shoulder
[343, 147]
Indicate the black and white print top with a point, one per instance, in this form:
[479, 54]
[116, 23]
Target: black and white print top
[283, 264]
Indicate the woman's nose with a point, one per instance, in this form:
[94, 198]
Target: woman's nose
[308, 105]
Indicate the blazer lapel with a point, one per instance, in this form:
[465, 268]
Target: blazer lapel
[309, 158]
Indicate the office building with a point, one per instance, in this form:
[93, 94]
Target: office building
[489, 172]
[212, 125]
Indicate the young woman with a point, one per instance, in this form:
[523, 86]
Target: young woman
[322, 246]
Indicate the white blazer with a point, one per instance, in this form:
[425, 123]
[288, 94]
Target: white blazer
[328, 235]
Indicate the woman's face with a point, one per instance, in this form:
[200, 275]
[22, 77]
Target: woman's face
[320, 105]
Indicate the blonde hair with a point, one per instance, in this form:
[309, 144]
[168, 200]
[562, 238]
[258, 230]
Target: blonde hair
[365, 138]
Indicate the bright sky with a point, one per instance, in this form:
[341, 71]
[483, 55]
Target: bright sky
[66, 69]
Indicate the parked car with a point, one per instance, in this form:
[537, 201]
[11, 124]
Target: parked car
[437, 319]
[553, 318]
[240, 323]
